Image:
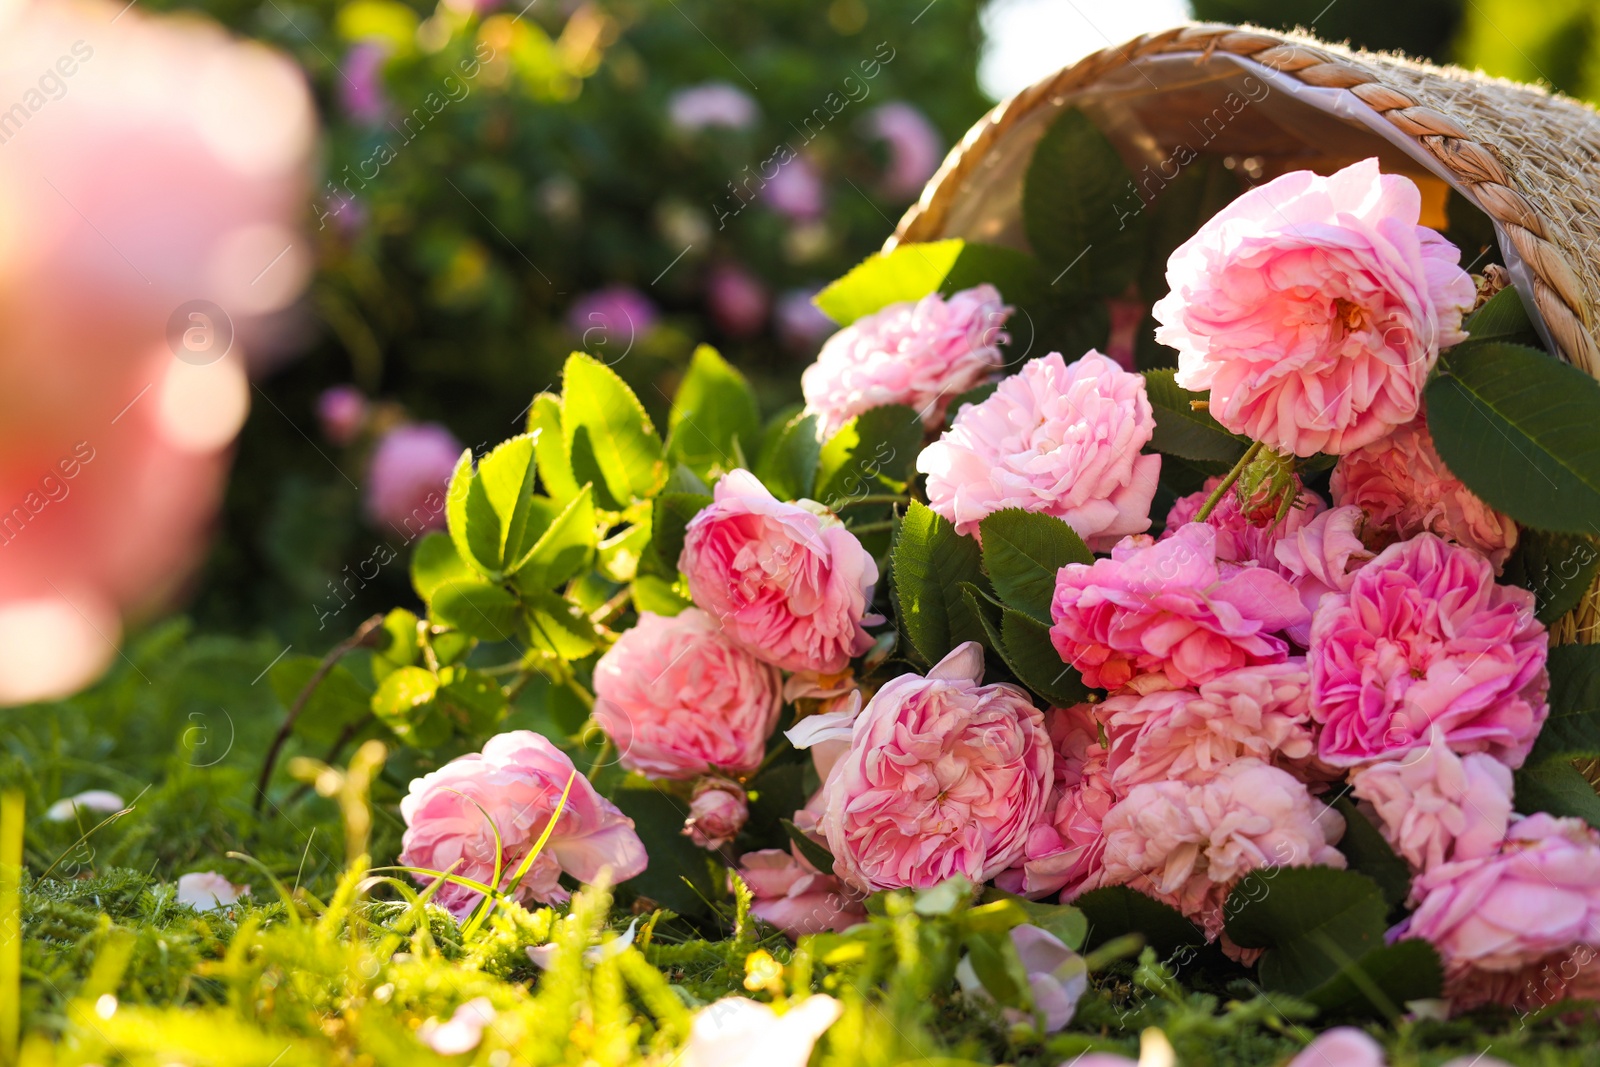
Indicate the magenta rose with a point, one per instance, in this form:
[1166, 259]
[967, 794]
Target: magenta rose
[679, 698]
[1313, 309]
[717, 812]
[1054, 438]
[1405, 489]
[341, 411]
[787, 584]
[944, 776]
[921, 353]
[1423, 640]
[791, 895]
[1245, 535]
[1165, 607]
[518, 780]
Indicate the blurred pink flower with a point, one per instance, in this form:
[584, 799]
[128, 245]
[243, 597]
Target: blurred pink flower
[791, 895]
[712, 104]
[1426, 639]
[517, 779]
[801, 324]
[1313, 309]
[408, 477]
[615, 316]
[796, 191]
[1343, 1046]
[462, 1031]
[1405, 489]
[739, 1032]
[915, 147]
[787, 584]
[738, 300]
[208, 890]
[1242, 536]
[1321, 557]
[144, 199]
[1056, 438]
[921, 353]
[680, 698]
[944, 776]
[1166, 607]
[341, 411]
[362, 95]
[717, 812]
[1057, 977]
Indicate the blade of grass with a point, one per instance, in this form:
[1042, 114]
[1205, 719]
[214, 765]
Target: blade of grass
[11, 809]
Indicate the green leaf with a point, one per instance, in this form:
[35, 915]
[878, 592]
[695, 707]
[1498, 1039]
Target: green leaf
[929, 562]
[435, 562]
[402, 641]
[608, 434]
[1181, 430]
[671, 513]
[1201, 189]
[564, 548]
[1036, 663]
[816, 855]
[474, 701]
[1522, 431]
[1573, 728]
[479, 609]
[558, 626]
[1022, 553]
[678, 875]
[1370, 854]
[872, 453]
[1559, 568]
[620, 554]
[473, 524]
[550, 448]
[1312, 921]
[789, 455]
[910, 272]
[994, 960]
[1503, 317]
[509, 477]
[405, 704]
[1080, 212]
[337, 701]
[1381, 981]
[1069, 924]
[943, 898]
[714, 421]
[1555, 786]
[1117, 910]
[658, 596]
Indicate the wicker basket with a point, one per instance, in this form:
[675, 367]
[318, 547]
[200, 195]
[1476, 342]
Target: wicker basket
[1530, 160]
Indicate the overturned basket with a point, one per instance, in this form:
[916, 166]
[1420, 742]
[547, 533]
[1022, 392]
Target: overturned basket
[1270, 103]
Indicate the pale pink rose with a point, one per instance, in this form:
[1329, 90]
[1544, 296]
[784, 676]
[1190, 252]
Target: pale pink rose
[793, 896]
[341, 411]
[1434, 806]
[1057, 977]
[1262, 711]
[796, 191]
[1343, 1046]
[1569, 974]
[362, 95]
[1321, 557]
[921, 353]
[1405, 489]
[915, 147]
[208, 890]
[737, 299]
[1425, 638]
[717, 812]
[408, 477]
[1499, 920]
[680, 698]
[787, 584]
[1064, 849]
[1188, 844]
[1166, 607]
[1057, 438]
[738, 1032]
[713, 104]
[1313, 308]
[518, 780]
[1245, 535]
[944, 776]
[611, 318]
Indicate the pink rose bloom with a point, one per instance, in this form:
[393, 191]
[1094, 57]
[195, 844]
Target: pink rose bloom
[1425, 638]
[944, 776]
[1262, 712]
[717, 812]
[1244, 535]
[1343, 1046]
[1054, 438]
[791, 894]
[1188, 844]
[1064, 850]
[1166, 607]
[787, 584]
[408, 477]
[341, 410]
[739, 1032]
[915, 147]
[796, 191]
[615, 316]
[680, 698]
[801, 324]
[713, 104]
[361, 91]
[921, 353]
[1313, 309]
[1499, 920]
[1321, 557]
[518, 779]
[1405, 489]
[1434, 806]
[738, 300]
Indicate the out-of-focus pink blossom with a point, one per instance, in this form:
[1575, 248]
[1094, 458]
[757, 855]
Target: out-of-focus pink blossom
[1065, 849]
[793, 896]
[738, 300]
[341, 411]
[739, 1032]
[408, 477]
[92, 801]
[712, 104]
[361, 91]
[208, 890]
[1057, 977]
[802, 326]
[796, 191]
[1126, 317]
[717, 812]
[915, 147]
[611, 319]
[1343, 1046]
[462, 1031]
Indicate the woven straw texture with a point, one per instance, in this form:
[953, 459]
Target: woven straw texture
[1531, 159]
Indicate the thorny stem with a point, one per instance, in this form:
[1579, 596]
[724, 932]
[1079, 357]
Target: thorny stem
[1227, 482]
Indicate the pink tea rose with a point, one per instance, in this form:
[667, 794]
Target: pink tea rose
[1425, 639]
[1057, 977]
[1321, 557]
[1187, 844]
[1262, 711]
[717, 812]
[797, 899]
[680, 698]
[737, 299]
[1343, 1046]
[341, 411]
[1064, 851]
[944, 776]
[518, 780]
[1244, 536]
[915, 147]
[1405, 489]
[1166, 607]
[739, 1032]
[1504, 915]
[1313, 309]
[1434, 806]
[702, 107]
[408, 477]
[786, 583]
[920, 353]
[1054, 438]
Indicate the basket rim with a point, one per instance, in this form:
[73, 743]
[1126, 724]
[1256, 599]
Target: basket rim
[1557, 289]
